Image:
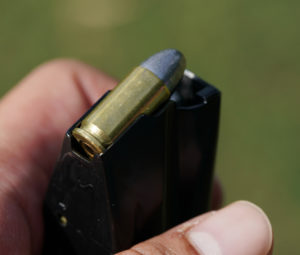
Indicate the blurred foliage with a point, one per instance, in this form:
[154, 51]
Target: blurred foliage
[248, 49]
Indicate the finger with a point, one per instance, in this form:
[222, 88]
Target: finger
[44, 105]
[34, 117]
[240, 228]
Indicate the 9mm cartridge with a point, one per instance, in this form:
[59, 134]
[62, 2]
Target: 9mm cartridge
[141, 92]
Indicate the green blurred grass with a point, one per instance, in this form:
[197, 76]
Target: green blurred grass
[248, 49]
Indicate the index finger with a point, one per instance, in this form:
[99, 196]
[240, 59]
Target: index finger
[34, 117]
[36, 113]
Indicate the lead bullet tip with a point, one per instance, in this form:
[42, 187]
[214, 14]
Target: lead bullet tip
[168, 65]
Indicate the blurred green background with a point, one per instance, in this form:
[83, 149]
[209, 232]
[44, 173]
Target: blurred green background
[250, 50]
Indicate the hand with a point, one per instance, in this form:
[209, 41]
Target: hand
[33, 119]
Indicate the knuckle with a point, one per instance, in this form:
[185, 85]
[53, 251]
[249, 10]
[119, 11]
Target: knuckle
[165, 244]
[147, 248]
[151, 248]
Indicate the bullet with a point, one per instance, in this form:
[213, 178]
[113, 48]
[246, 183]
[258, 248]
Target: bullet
[146, 88]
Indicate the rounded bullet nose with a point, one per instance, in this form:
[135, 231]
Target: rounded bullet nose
[168, 65]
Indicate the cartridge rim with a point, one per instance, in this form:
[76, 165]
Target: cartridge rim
[89, 143]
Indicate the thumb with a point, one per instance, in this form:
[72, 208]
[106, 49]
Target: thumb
[240, 228]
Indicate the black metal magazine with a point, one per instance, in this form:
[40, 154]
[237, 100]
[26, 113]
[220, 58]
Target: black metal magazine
[156, 175]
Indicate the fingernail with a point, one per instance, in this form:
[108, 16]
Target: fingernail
[240, 228]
